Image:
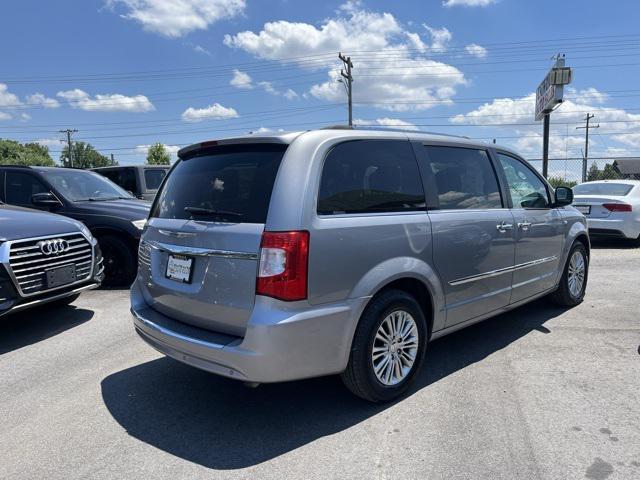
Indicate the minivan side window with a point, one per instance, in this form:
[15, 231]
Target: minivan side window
[21, 186]
[526, 188]
[370, 176]
[464, 178]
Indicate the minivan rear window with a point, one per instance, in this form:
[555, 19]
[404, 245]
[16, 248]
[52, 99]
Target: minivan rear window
[226, 183]
[615, 189]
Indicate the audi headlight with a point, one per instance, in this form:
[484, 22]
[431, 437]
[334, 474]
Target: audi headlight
[139, 224]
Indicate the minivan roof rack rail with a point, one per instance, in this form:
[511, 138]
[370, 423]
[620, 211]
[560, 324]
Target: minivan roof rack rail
[382, 128]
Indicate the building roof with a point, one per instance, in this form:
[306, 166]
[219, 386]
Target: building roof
[628, 166]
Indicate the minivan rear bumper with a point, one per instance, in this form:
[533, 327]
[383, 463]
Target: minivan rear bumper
[283, 341]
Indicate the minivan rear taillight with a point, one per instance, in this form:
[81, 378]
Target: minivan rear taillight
[617, 207]
[282, 272]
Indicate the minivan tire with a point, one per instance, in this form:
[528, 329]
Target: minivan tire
[119, 261]
[359, 377]
[563, 296]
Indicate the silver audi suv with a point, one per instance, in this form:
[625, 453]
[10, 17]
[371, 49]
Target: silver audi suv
[345, 251]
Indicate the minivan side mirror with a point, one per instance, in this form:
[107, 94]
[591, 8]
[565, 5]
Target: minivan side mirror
[563, 196]
[46, 199]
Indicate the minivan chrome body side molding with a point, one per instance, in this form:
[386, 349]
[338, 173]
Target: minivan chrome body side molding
[201, 252]
[493, 273]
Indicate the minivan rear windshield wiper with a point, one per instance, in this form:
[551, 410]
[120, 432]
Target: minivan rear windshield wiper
[210, 212]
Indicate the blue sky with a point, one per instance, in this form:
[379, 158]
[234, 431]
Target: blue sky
[127, 73]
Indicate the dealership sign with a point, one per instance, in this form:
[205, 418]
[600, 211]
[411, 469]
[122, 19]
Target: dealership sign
[549, 92]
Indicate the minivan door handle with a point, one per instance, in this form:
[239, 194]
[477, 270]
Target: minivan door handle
[524, 225]
[503, 227]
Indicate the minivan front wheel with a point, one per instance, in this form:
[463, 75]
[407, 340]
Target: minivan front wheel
[573, 283]
[388, 347]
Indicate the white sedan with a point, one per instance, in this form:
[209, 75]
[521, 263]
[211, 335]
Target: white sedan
[612, 207]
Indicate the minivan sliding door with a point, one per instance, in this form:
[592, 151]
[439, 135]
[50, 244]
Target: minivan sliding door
[473, 232]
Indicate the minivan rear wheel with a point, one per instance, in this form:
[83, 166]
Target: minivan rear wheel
[388, 347]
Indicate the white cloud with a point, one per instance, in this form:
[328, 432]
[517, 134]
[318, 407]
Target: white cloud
[268, 87]
[48, 142]
[25, 117]
[176, 18]
[440, 37]
[476, 50]
[413, 76]
[42, 100]
[564, 139]
[631, 139]
[387, 122]
[212, 112]
[241, 80]
[468, 3]
[201, 49]
[290, 94]
[5, 116]
[171, 149]
[8, 99]
[111, 102]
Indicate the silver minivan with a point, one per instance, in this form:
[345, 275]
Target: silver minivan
[345, 251]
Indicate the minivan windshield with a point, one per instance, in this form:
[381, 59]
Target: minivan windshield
[230, 183]
[81, 185]
[615, 189]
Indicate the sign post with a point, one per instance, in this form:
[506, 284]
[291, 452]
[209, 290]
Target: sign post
[549, 96]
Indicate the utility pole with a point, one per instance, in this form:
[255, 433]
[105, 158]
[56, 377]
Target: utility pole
[585, 157]
[349, 80]
[69, 131]
[113, 162]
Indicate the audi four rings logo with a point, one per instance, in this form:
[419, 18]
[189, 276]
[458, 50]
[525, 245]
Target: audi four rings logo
[54, 246]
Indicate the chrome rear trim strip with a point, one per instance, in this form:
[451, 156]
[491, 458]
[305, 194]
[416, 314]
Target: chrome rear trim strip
[201, 252]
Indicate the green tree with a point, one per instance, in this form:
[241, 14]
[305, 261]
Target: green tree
[85, 156]
[16, 153]
[557, 181]
[609, 172]
[158, 155]
[593, 173]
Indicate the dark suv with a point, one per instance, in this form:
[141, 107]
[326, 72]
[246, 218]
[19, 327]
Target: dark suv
[44, 258]
[112, 215]
[142, 181]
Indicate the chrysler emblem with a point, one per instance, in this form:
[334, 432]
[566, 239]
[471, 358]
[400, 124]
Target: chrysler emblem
[53, 246]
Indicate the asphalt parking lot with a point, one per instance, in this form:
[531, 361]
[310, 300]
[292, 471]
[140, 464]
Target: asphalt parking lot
[539, 392]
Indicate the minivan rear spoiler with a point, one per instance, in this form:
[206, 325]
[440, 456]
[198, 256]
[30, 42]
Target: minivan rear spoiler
[191, 150]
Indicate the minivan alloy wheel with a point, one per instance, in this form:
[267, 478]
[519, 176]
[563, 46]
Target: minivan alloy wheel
[395, 347]
[576, 273]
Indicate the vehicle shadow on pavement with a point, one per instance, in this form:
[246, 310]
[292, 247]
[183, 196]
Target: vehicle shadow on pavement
[221, 424]
[35, 325]
[614, 243]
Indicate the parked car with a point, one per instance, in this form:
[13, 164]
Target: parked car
[44, 258]
[142, 181]
[112, 215]
[612, 207]
[340, 251]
